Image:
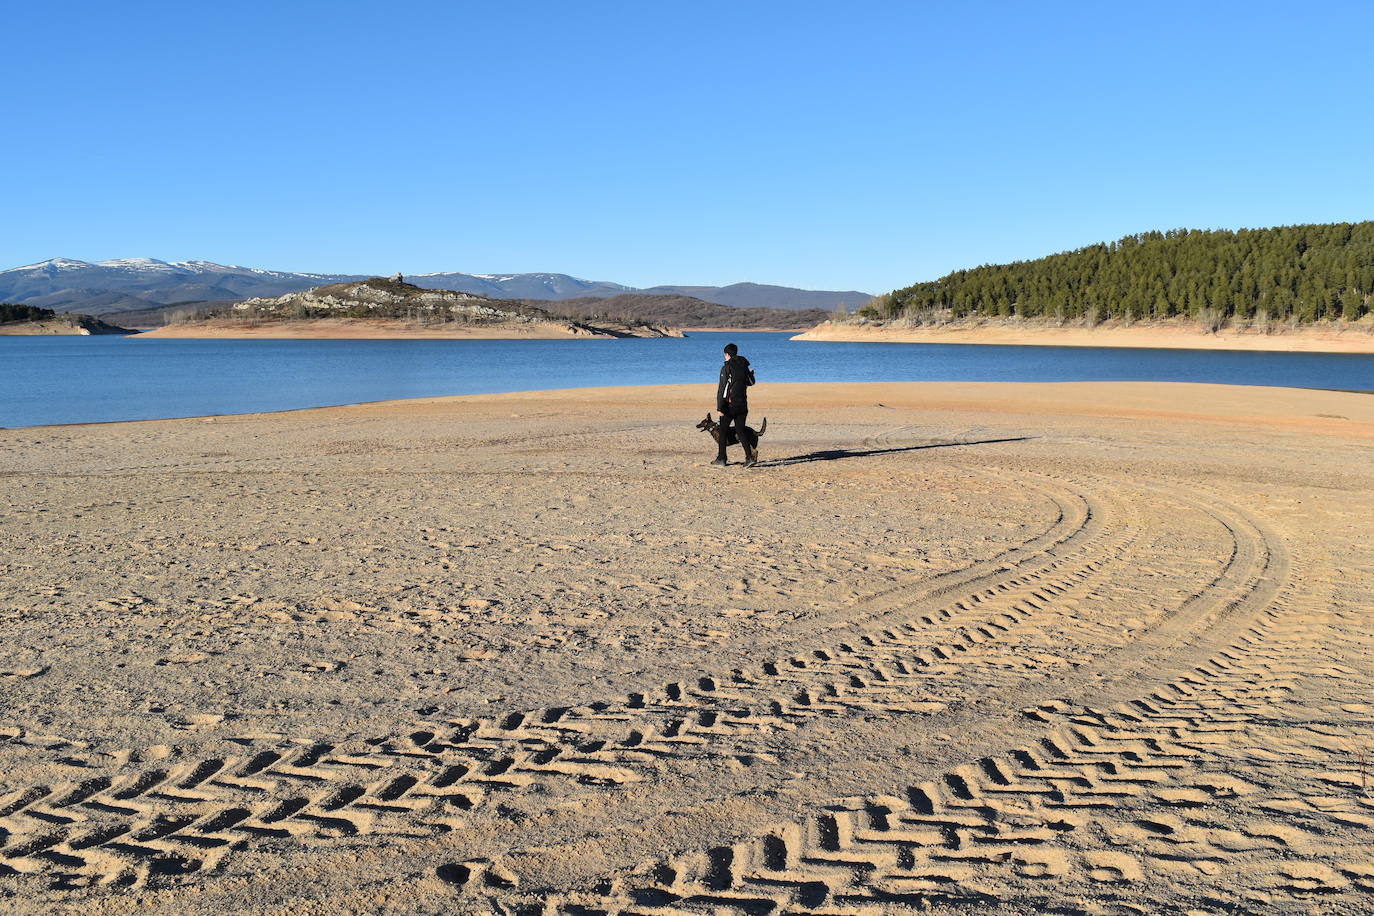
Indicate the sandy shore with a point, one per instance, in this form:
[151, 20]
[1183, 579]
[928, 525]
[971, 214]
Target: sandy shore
[972, 647]
[1351, 340]
[372, 329]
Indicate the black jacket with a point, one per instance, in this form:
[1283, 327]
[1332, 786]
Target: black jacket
[732, 394]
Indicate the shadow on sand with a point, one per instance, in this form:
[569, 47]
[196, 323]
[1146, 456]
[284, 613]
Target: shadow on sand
[835, 454]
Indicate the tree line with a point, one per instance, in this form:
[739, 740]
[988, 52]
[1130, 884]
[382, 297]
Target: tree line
[10, 311]
[1304, 273]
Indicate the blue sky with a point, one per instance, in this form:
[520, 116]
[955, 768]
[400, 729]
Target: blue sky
[824, 145]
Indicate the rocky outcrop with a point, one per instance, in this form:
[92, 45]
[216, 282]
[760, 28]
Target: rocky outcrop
[393, 308]
[382, 298]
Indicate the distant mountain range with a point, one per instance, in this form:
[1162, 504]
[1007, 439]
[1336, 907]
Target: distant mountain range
[149, 285]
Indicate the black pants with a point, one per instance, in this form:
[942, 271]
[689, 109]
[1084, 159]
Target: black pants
[736, 420]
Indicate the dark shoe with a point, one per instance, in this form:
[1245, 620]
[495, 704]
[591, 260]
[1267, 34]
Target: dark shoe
[719, 463]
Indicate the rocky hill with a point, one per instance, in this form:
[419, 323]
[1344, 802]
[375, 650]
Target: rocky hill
[394, 308]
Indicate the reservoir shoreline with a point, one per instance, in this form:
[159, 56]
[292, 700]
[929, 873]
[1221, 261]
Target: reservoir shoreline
[1357, 339]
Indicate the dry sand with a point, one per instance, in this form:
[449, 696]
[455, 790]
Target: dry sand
[1078, 648]
[1352, 339]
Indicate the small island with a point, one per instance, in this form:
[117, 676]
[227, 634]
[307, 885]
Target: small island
[391, 308]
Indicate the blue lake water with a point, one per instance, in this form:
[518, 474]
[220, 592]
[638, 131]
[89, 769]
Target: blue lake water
[87, 379]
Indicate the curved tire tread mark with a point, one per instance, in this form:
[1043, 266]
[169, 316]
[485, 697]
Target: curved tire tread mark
[980, 833]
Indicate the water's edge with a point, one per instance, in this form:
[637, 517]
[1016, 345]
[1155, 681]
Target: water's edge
[52, 381]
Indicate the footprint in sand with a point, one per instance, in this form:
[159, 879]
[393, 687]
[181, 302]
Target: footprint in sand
[198, 720]
[184, 658]
[1112, 867]
[33, 671]
[1043, 863]
[1310, 877]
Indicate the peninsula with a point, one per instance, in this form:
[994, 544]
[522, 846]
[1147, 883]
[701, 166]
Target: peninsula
[32, 321]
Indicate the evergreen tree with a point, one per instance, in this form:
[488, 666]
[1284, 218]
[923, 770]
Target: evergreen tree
[12, 312]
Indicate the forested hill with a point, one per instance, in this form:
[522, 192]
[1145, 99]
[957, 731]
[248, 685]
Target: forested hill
[1308, 273]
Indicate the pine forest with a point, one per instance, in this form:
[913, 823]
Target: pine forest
[1290, 273]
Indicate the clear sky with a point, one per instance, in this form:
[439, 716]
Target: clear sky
[856, 145]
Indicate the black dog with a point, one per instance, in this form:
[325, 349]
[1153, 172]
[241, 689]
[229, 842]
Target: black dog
[712, 427]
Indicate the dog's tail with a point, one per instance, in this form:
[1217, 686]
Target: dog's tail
[763, 427]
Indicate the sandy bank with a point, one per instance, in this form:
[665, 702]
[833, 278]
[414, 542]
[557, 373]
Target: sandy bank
[1354, 340]
[1331, 412]
[80, 326]
[1337, 413]
[983, 643]
[379, 329]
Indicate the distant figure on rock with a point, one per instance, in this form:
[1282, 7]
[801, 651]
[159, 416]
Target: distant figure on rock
[398, 278]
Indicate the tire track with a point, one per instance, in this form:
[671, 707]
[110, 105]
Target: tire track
[182, 818]
[1100, 802]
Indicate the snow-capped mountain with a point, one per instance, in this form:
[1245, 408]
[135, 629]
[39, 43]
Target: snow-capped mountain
[520, 286]
[136, 269]
[124, 284]
[140, 284]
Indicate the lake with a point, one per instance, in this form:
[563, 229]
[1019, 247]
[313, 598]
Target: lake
[88, 379]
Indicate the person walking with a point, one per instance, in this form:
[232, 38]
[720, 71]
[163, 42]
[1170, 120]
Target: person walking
[732, 402]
